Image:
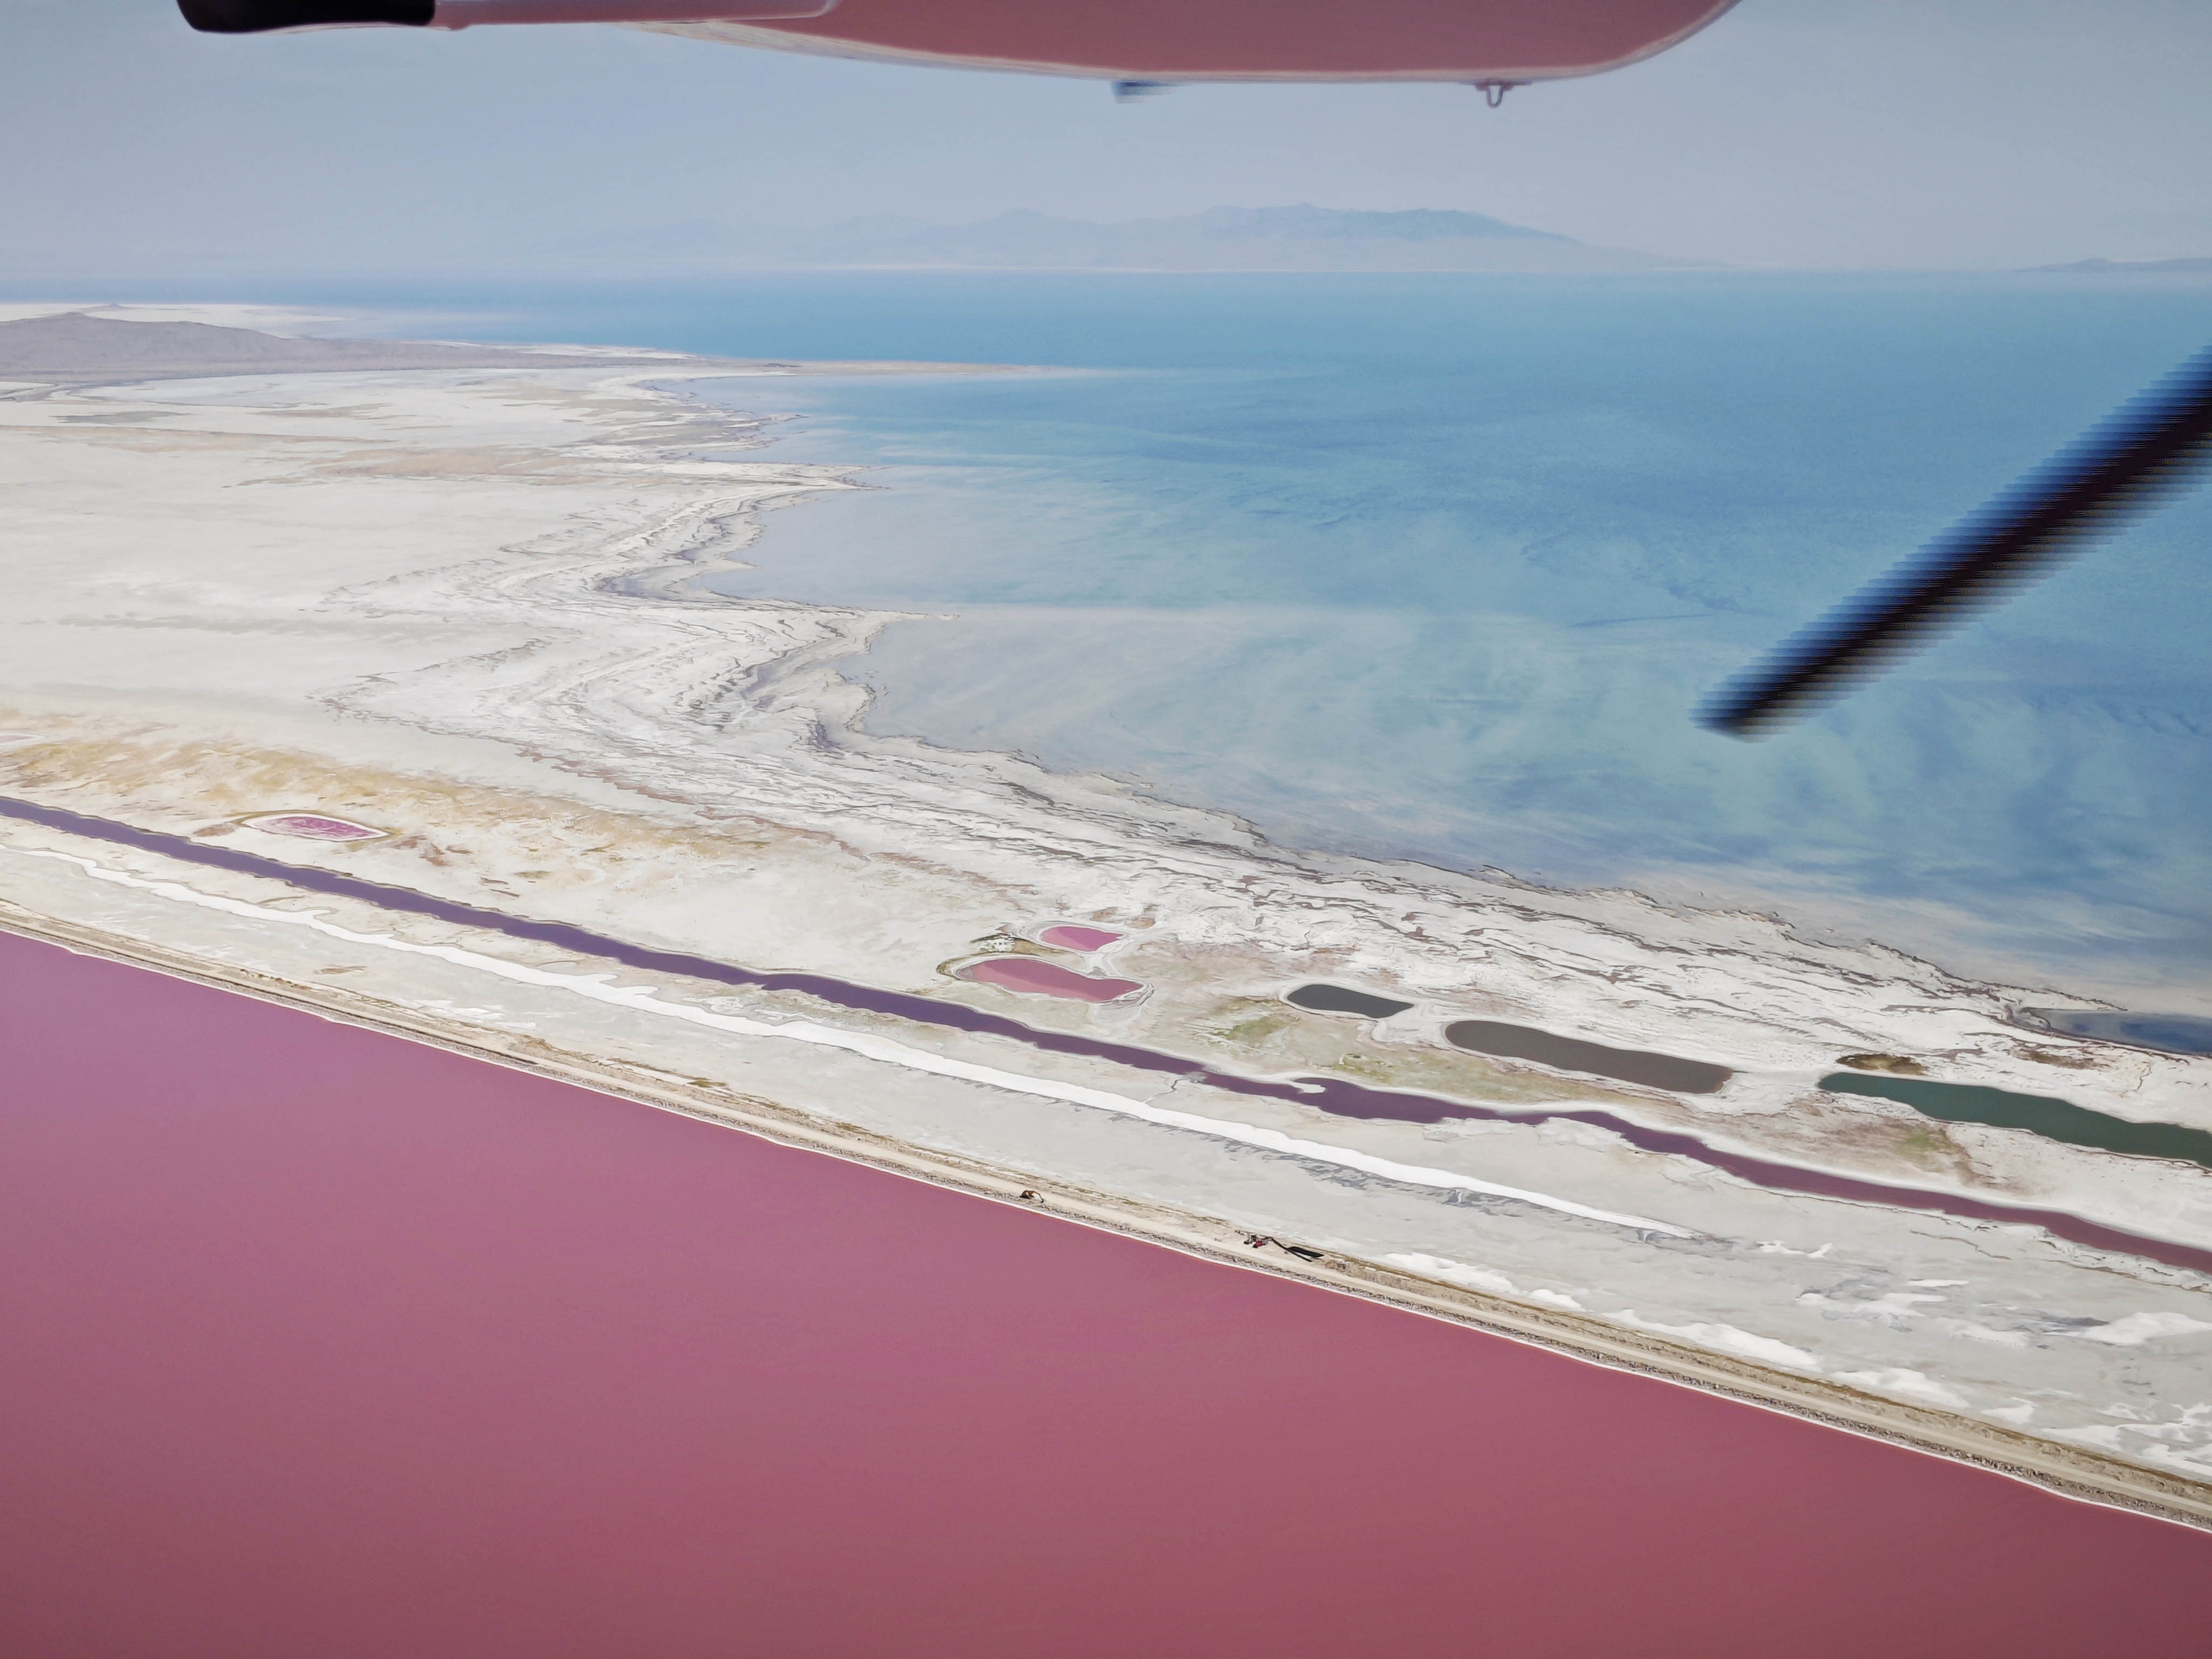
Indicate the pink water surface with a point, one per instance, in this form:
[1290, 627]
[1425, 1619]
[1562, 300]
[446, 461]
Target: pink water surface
[1068, 937]
[313, 826]
[1032, 977]
[320, 1344]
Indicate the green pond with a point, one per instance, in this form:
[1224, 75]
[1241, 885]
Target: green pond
[2046, 1114]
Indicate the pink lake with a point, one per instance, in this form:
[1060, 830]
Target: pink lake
[321, 1344]
[1033, 977]
[313, 826]
[1069, 937]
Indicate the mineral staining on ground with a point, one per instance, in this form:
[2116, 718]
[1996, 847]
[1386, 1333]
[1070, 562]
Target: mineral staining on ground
[1899, 1065]
[459, 610]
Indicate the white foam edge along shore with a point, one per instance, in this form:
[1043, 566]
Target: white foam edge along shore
[460, 605]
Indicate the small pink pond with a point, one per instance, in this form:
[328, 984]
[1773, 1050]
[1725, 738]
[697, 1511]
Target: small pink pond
[1070, 937]
[321, 1344]
[313, 826]
[1030, 977]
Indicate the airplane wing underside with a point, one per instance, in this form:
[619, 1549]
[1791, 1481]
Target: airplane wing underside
[1486, 42]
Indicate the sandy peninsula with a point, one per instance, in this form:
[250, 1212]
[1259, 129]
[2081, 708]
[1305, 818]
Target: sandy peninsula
[456, 607]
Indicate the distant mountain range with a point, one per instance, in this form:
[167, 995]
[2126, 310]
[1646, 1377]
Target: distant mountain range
[2181, 265]
[1302, 238]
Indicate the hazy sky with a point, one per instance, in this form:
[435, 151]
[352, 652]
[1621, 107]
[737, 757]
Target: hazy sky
[1910, 133]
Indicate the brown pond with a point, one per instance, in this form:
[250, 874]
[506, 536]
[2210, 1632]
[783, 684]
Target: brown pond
[1682, 1076]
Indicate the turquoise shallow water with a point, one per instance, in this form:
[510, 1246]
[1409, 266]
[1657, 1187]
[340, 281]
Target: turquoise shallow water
[1440, 567]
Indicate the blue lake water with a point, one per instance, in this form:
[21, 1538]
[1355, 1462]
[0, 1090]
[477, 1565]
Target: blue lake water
[1441, 566]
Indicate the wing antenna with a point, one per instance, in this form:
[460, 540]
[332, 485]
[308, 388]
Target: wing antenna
[2141, 456]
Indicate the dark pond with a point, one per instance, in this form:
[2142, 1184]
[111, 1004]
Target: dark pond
[1336, 999]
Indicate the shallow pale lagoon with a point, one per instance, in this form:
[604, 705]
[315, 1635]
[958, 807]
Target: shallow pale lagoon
[1440, 567]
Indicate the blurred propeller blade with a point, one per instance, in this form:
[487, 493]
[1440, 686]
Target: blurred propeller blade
[2143, 454]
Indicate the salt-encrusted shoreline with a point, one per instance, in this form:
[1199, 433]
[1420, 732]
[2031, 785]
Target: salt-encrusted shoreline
[1336, 1096]
[462, 609]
